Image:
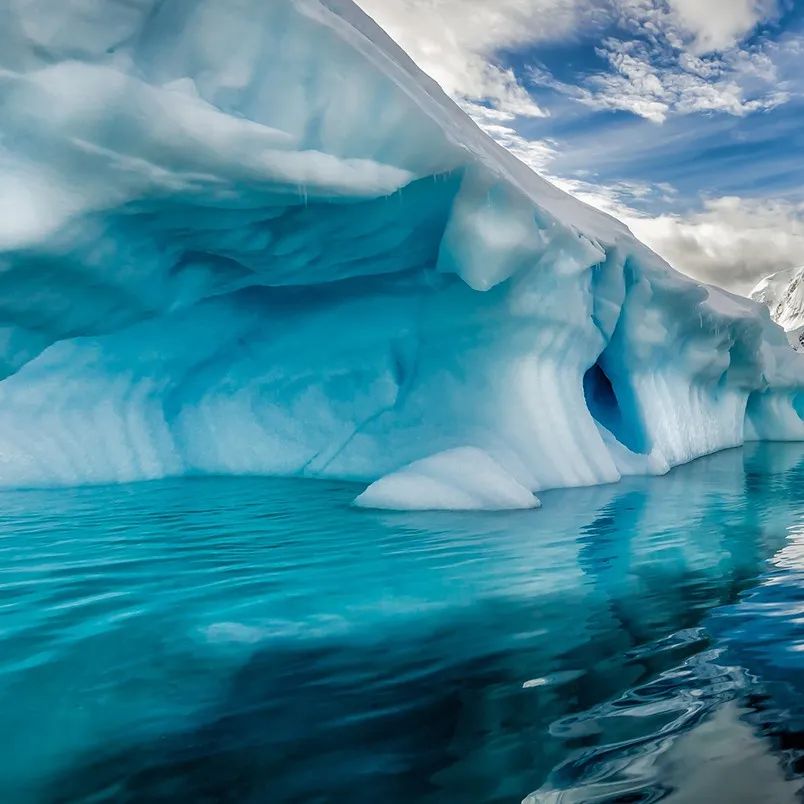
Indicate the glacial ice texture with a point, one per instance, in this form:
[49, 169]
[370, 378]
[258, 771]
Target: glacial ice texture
[296, 256]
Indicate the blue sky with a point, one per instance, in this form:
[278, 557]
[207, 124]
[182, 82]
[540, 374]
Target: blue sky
[685, 118]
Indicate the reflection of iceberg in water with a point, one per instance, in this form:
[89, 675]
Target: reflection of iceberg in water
[737, 654]
[446, 657]
[764, 633]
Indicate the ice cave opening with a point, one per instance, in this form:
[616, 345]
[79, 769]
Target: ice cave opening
[607, 411]
[798, 405]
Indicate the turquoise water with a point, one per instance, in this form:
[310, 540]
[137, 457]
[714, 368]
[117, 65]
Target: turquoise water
[251, 639]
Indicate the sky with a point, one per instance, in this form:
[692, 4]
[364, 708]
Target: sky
[683, 118]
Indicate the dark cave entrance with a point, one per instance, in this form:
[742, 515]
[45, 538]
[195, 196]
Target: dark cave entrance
[798, 405]
[608, 410]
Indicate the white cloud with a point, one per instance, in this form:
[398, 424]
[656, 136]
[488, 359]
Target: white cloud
[655, 76]
[683, 56]
[732, 242]
[455, 41]
[697, 26]
[536, 154]
[720, 24]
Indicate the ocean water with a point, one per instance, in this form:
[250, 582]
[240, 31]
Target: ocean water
[259, 640]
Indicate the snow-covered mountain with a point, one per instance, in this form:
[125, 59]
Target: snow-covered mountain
[253, 237]
[783, 294]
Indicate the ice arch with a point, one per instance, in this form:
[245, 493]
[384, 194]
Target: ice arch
[297, 256]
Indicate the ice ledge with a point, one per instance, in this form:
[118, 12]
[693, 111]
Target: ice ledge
[462, 479]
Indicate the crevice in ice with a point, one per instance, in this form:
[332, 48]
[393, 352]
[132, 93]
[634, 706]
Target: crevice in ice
[403, 359]
[333, 455]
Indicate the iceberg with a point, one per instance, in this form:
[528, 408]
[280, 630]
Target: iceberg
[254, 238]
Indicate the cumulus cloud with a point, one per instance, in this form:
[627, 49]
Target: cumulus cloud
[732, 242]
[720, 24]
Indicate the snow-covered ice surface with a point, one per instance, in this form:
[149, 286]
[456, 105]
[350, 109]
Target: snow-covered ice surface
[255, 238]
[783, 294]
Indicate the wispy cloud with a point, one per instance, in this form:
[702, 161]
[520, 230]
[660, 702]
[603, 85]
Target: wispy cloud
[455, 42]
[536, 153]
[672, 55]
[646, 85]
[681, 57]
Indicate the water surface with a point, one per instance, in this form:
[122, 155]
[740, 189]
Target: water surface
[260, 640]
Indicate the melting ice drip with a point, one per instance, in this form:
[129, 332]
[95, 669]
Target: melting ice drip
[256, 239]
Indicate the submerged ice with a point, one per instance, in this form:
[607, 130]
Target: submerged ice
[296, 256]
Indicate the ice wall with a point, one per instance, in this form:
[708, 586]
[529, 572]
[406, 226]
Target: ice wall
[251, 237]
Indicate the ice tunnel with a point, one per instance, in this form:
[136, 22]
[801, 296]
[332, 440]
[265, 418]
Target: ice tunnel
[298, 257]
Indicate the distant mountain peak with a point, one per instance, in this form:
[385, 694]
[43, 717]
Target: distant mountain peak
[783, 294]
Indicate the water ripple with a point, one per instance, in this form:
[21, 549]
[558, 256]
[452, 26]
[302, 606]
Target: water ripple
[249, 639]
